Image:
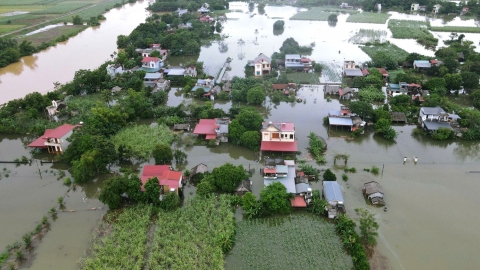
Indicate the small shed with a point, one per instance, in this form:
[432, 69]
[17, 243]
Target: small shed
[333, 196]
[116, 89]
[243, 187]
[200, 168]
[374, 192]
[298, 202]
[398, 117]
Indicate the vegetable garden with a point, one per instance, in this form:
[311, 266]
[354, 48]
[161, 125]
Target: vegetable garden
[369, 36]
[368, 17]
[408, 29]
[303, 78]
[291, 242]
[319, 13]
[332, 72]
[195, 236]
[396, 53]
[124, 247]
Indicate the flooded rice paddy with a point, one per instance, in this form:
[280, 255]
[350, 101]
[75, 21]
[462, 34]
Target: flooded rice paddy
[431, 222]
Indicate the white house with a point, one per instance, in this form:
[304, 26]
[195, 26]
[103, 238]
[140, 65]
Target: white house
[262, 65]
[55, 140]
[436, 8]
[113, 70]
[414, 7]
[279, 137]
[152, 62]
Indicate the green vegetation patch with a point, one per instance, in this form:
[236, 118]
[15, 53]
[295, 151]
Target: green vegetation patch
[140, 140]
[303, 78]
[124, 245]
[396, 53]
[62, 8]
[195, 236]
[409, 29]
[9, 27]
[368, 17]
[393, 74]
[369, 36]
[292, 242]
[13, 8]
[456, 29]
[320, 13]
[56, 33]
[94, 11]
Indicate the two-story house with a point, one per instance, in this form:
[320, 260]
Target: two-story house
[152, 62]
[278, 137]
[54, 140]
[433, 118]
[262, 65]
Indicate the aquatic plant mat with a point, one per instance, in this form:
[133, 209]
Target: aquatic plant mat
[138, 237]
[396, 53]
[368, 36]
[368, 17]
[298, 241]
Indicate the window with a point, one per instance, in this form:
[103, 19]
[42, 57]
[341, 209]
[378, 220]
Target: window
[258, 72]
[291, 136]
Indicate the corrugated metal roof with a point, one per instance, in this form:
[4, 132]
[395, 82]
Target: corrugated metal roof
[353, 72]
[340, 121]
[302, 187]
[332, 191]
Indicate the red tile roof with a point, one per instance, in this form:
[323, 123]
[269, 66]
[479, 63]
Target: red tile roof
[298, 201]
[151, 171]
[206, 127]
[57, 133]
[305, 60]
[383, 71]
[279, 146]
[211, 136]
[171, 179]
[148, 59]
[365, 72]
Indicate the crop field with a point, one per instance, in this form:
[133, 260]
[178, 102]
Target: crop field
[456, 29]
[409, 29]
[368, 17]
[141, 139]
[320, 13]
[52, 34]
[9, 27]
[61, 8]
[95, 11]
[397, 54]
[293, 242]
[368, 36]
[332, 72]
[124, 247]
[303, 78]
[195, 236]
[29, 8]
[393, 74]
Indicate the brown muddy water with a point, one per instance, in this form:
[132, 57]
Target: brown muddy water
[430, 223]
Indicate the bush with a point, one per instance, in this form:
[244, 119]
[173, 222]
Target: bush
[344, 177]
[67, 181]
[374, 170]
[328, 175]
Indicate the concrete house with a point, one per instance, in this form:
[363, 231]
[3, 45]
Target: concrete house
[54, 140]
[414, 7]
[436, 9]
[278, 137]
[421, 64]
[213, 129]
[298, 63]
[168, 180]
[433, 118]
[152, 62]
[262, 65]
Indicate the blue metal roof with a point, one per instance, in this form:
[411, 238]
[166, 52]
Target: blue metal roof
[340, 121]
[332, 191]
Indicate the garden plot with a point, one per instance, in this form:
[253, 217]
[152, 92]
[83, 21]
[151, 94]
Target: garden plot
[293, 242]
[331, 73]
[396, 53]
[319, 13]
[456, 29]
[368, 36]
[409, 29]
[368, 17]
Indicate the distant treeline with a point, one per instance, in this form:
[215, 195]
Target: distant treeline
[172, 5]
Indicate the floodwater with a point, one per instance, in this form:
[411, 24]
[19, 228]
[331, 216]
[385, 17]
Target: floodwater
[429, 224]
[88, 50]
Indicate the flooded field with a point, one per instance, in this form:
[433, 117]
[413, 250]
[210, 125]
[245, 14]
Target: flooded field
[429, 224]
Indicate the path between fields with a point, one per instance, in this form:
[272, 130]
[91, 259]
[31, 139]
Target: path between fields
[50, 20]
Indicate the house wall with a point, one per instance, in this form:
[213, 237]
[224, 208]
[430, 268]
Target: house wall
[278, 136]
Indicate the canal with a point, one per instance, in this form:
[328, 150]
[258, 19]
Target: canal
[428, 224]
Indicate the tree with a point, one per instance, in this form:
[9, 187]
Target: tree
[384, 60]
[436, 85]
[470, 79]
[451, 63]
[248, 201]
[317, 205]
[86, 168]
[218, 27]
[279, 25]
[170, 201]
[167, 18]
[368, 227]
[250, 119]
[442, 134]
[256, 96]
[328, 175]
[333, 18]
[205, 188]
[179, 156]
[227, 177]
[152, 191]
[453, 81]
[275, 199]
[162, 154]
[26, 48]
[251, 140]
[382, 125]
[362, 108]
[235, 131]
[112, 191]
[77, 20]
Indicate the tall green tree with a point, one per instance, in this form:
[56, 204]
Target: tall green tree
[368, 227]
[256, 95]
[227, 177]
[162, 154]
[250, 119]
[275, 199]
